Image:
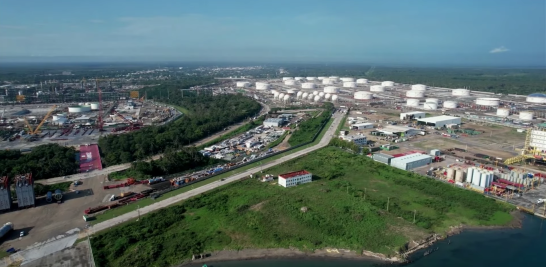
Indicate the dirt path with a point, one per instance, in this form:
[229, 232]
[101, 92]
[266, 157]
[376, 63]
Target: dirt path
[284, 144]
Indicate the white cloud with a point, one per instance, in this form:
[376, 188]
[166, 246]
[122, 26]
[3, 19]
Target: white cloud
[501, 49]
[96, 21]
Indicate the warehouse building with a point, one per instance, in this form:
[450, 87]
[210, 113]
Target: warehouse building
[440, 121]
[412, 115]
[295, 178]
[383, 158]
[362, 126]
[274, 122]
[399, 130]
[411, 161]
[357, 139]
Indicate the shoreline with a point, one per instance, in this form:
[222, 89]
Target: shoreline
[333, 253]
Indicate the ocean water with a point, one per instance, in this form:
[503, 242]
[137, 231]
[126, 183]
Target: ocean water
[525, 247]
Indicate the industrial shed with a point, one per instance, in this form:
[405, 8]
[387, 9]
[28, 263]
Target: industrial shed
[412, 115]
[383, 158]
[411, 161]
[399, 130]
[273, 122]
[440, 121]
[361, 126]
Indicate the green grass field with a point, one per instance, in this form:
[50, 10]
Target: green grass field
[347, 208]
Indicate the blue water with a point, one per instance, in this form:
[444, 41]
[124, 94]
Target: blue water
[525, 247]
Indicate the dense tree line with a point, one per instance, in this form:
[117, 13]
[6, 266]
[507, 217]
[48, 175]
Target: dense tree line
[43, 162]
[207, 115]
[309, 128]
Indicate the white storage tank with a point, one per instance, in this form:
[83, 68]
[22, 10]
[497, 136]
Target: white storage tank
[430, 106]
[315, 92]
[79, 109]
[327, 96]
[328, 81]
[349, 84]
[308, 86]
[290, 82]
[416, 94]
[317, 98]
[262, 86]
[450, 104]
[287, 78]
[363, 95]
[487, 101]
[526, 115]
[275, 95]
[503, 112]
[321, 94]
[537, 98]
[298, 95]
[419, 87]
[320, 78]
[334, 98]
[94, 106]
[334, 78]
[412, 102]
[347, 79]
[310, 97]
[311, 79]
[331, 89]
[460, 92]
[377, 88]
[433, 100]
[299, 78]
[291, 91]
[274, 91]
[286, 98]
[387, 83]
[305, 95]
[362, 81]
[243, 84]
[281, 96]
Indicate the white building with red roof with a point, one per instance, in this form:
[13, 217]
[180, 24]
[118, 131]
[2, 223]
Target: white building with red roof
[295, 178]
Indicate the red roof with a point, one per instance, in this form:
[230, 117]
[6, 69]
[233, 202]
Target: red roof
[293, 174]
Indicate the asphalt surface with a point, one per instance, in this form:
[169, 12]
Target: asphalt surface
[202, 189]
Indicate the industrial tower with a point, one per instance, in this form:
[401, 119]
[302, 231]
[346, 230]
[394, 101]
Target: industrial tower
[534, 148]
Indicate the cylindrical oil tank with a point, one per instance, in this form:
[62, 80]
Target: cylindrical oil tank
[327, 81]
[450, 173]
[412, 102]
[459, 175]
[416, 94]
[362, 81]
[377, 88]
[347, 79]
[242, 84]
[432, 100]
[460, 92]
[349, 84]
[430, 106]
[450, 104]
[286, 98]
[503, 112]
[79, 109]
[311, 79]
[298, 95]
[305, 95]
[274, 91]
[308, 85]
[6, 229]
[287, 78]
[281, 95]
[58, 194]
[537, 98]
[387, 83]
[419, 87]
[327, 96]
[331, 89]
[317, 98]
[363, 95]
[320, 78]
[315, 92]
[310, 97]
[262, 86]
[334, 98]
[334, 78]
[94, 106]
[487, 101]
[526, 115]
[49, 197]
[290, 82]
[275, 95]
[299, 78]
[321, 94]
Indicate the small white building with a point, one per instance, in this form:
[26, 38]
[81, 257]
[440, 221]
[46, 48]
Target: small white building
[440, 121]
[362, 126]
[273, 122]
[415, 114]
[357, 139]
[295, 178]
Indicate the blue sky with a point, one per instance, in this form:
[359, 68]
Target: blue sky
[464, 32]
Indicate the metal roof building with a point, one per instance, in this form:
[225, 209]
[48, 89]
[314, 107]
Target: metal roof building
[360, 126]
[416, 115]
[399, 130]
[411, 161]
[440, 121]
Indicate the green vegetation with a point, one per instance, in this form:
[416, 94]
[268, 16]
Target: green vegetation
[40, 189]
[346, 208]
[43, 162]
[209, 114]
[336, 142]
[307, 129]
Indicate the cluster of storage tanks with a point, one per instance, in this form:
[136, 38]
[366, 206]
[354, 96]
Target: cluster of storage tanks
[281, 96]
[83, 107]
[479, 178]
[519, 177]
[456, 174]
[377, 88]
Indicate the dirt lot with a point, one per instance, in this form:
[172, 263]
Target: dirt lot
[48, 220]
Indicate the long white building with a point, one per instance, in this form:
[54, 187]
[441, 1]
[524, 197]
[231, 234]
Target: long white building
[295, 178]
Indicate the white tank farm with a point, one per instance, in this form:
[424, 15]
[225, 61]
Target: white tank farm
[94, 106]
[305, 95]
[377, 88]
[487, 101]
[526, 115]
[79, 109]
[275, 95]
[286, 98]
[416, 94]
[262, 86]
[281, 95]
[349, 84]
[450, 104]
[460, 92]
[433, 100]
[243, 84]
[387, 83]
[320, 78]
[290, 82]
[362, 81]
[299, 78]
[291, 91]
[317, 98]
[334, 98]
[328, 81]
[287, 78]
[334, 78]
[315, 92]
[311, 79]
[331, 89]
[430, 106]
[321, 94]
[503, 112]
[363, 95]
[536, 98]
[308, 86]
[299, 94]
[412, 102]
[310, 97]
[327, 96]
[419, 87]
[347, 79]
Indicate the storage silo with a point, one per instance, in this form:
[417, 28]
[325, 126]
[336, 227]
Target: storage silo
[387, 83]
[483, 180]
[415, 94]
[349, 84]
[363, 95]
[476, 177]
[334, 98]
[327, 96]
[450, 104]
[308, 85]
[275, 95]
[459, 175]
[526, 115]
[362, 81]
[311, 97]
[347, 79]
[450, 173]
[418, 87]
[281, 96]
[321, 94]
[290, 82]
[430, 106]
[377, 88]
[432, 100]
[412, 102]
[331, 89]
[286, 98]
[317, 98]
[315, 92]
[460, 92]
[304, 96]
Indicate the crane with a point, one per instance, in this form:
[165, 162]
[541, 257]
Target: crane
[132, 126]
[34, 132]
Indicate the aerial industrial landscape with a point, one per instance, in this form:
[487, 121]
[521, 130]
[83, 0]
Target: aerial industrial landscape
[259, 133]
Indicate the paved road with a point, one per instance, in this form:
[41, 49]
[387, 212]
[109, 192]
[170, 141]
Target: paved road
[121, 167]
[202, 189]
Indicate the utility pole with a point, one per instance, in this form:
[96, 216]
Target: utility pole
[388, 201]
[414, 212]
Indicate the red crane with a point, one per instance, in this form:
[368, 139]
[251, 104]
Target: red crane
[132, 126]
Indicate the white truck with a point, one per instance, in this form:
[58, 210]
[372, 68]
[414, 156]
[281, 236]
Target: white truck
[541, 200]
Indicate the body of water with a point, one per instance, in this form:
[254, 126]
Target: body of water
[525, 247]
